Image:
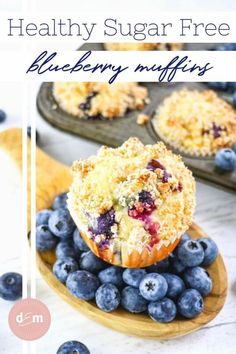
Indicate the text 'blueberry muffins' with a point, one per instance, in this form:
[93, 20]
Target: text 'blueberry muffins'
[196, 122]
[143, 46]
[132, 204]
[99, 100]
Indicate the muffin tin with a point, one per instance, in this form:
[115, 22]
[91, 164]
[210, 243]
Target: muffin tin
[116, 131]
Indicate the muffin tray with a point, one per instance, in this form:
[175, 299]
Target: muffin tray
[114, 133]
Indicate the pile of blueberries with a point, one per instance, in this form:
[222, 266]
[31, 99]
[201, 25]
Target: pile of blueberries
[176, 285]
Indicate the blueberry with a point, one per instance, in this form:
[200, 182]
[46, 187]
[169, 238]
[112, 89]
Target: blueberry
[107, 297]
[43, 216]
[104, 223]
[45, 240]
[66, 249]
[63, 267]
[90, 262]
[3, 116]
[60, 201]
[36, 134]
[82, 284]
[145, 198]
[153, 287]
[11, 286]
[132, 301]
[61, 224]
[174, 253]
[163, 311]
[221, 86]
[85, 106]
[175, 285]
[73, 347]
[190, 253]
[92, 94]
[177, 266]
[198, 278]
[217, 130]
[112, 275]
[210, 250]
[232, 87]
[234, 105]
[154, 164]
[184, 237]
[234, 147]
[190, 303]
[226, 46]
[159, 267]
[133, 276]
[79, 242]
[225, 159]
[147, 205]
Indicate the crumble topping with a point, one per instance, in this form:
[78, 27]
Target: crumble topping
[99, 100]
[196, 122]
[133, 196]
[143, 119]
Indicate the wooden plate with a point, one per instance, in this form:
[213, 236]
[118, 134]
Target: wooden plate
[115, 132]
[53, 178]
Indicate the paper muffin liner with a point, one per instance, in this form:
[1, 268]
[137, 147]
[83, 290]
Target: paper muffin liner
[133, 259]
[128, 258]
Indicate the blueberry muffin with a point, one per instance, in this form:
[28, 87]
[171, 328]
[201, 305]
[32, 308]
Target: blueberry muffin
[143, 46]
[98, 99]
[196, 122]
[133, 203]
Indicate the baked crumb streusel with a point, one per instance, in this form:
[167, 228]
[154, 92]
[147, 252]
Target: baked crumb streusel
[196, 122]
[98, 99]
[143, 119]
[143, 46]
[134, 198]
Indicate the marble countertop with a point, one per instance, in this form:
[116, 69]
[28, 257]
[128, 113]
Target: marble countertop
[215, 213]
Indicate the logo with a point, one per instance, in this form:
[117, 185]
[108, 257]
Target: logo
[29, 319]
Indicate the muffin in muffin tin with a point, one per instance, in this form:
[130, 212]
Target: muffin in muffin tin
[196, 122]
[99, 100]
[133, 203]
[143, 46]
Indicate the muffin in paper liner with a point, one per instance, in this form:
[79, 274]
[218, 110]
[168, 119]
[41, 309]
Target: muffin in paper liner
[132, 204]
[142, 46]
[197, 123]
